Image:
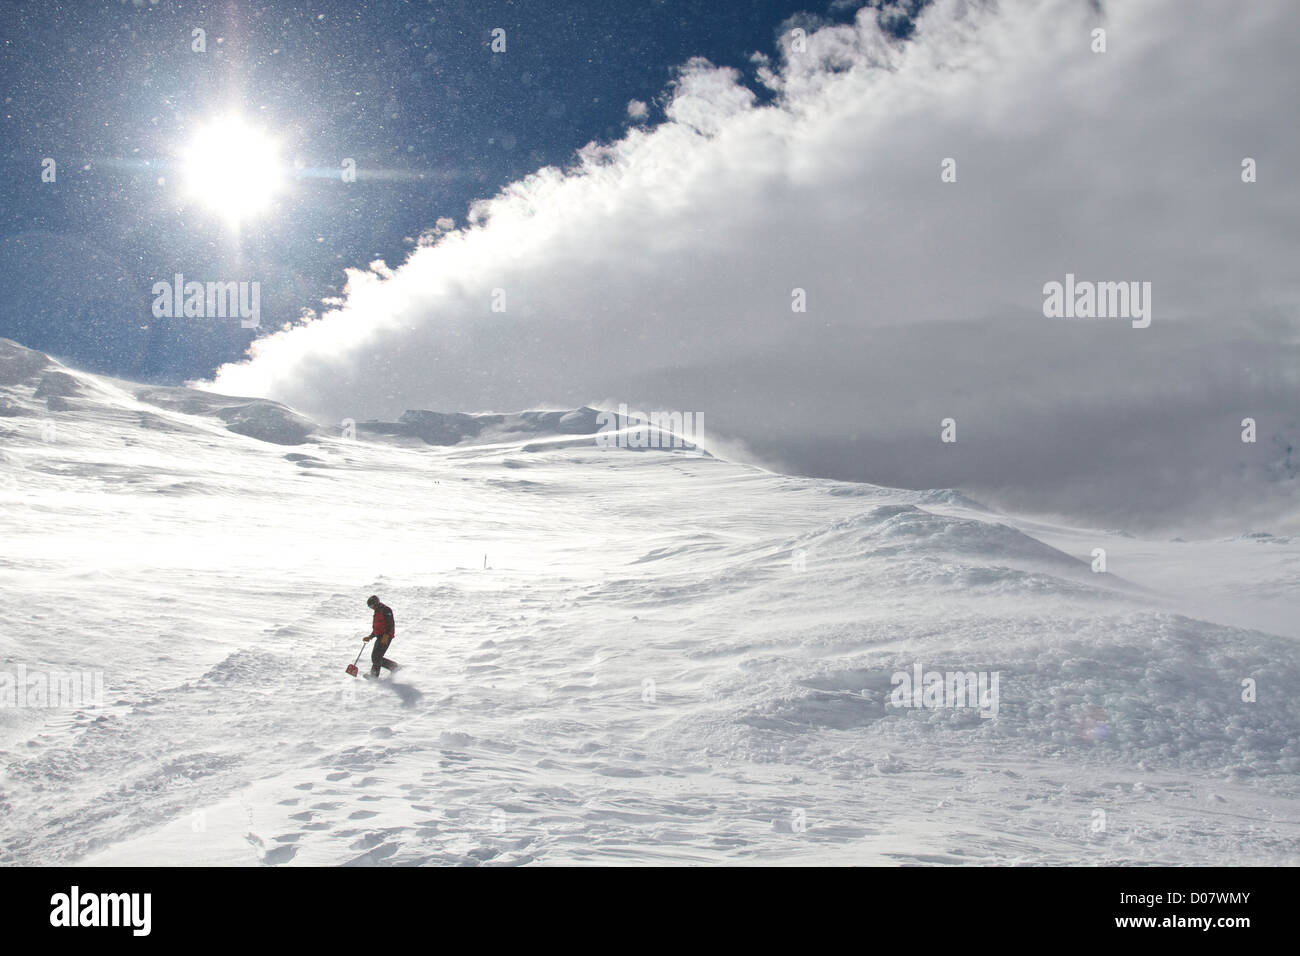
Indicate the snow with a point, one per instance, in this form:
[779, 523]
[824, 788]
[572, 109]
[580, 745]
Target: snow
[669, 657]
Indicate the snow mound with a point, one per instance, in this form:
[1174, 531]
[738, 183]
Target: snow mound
[20, 365]
[890, 529]
[258, 418]
[57, 384]
[269, 422]
[453, 428]
[1152, 689]
[949, 497]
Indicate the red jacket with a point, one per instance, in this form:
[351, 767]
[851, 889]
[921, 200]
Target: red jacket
[382, 626]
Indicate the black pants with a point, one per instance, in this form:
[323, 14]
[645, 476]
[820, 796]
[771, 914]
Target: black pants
[377, 659]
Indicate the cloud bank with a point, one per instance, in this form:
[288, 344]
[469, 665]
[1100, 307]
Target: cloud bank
[661, 269]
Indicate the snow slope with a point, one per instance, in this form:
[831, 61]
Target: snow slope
[668, 658]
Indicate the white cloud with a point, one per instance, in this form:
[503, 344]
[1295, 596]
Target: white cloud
[659, 269]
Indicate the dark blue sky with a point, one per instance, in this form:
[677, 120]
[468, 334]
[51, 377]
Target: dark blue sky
[412, 89]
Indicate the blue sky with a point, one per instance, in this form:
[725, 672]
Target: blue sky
[411, 91]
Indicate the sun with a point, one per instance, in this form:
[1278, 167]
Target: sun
[233, 168]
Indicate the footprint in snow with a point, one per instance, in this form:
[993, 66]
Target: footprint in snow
[280, 855]
[373, 856]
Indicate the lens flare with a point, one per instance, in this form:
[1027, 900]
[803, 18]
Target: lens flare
[232, 168]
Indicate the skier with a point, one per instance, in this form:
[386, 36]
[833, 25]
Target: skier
[383, 629]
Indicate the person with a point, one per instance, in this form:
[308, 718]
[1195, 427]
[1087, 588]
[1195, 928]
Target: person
[383, 631]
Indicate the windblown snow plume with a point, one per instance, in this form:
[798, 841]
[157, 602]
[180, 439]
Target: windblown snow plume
[832, 272]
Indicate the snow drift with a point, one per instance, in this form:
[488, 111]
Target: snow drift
[608, 657]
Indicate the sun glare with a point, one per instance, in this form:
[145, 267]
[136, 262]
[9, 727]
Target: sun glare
[232, 168]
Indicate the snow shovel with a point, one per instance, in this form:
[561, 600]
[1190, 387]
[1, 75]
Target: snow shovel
[352, 668]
